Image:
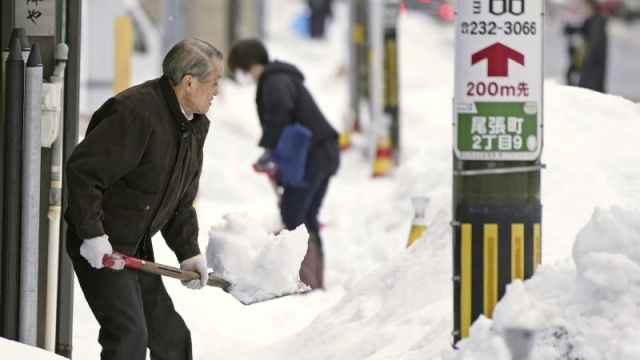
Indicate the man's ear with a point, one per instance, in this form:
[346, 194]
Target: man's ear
[186, 82]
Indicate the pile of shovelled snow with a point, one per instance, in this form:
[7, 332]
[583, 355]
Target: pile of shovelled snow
[589, 310]
[259, 265]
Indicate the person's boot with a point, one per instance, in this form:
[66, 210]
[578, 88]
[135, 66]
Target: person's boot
[312, 267]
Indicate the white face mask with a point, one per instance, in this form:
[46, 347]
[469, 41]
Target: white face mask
[243, 78]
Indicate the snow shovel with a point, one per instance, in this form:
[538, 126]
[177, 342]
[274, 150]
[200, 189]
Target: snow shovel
[165, 270]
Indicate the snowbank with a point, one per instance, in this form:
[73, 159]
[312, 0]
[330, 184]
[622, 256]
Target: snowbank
[12, 350]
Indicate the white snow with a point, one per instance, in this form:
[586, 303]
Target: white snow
[383, 301]
[258, 264]
[11, 350]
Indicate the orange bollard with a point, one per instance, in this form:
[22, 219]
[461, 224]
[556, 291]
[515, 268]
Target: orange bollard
[344, 140]
[384, 156]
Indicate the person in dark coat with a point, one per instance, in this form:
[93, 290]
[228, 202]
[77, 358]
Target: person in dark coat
[283, 100]
[319, 11]
[575, 42]
[594, 63]
[136, 173]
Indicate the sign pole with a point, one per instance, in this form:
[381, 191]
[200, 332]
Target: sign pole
[391, 106]
[360, 38]
[376, 75]
[497, 131]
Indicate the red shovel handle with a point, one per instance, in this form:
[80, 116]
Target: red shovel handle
[270, 171]
[130, 262]
[164, 270]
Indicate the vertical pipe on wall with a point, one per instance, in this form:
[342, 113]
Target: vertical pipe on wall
[11, 182]
[54, 214]
[28, 317]
[71, 109]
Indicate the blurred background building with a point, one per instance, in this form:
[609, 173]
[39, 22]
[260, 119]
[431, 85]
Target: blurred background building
[156, 26]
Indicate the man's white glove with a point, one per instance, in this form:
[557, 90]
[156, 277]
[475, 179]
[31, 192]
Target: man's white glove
[198, 264]
[95, 249]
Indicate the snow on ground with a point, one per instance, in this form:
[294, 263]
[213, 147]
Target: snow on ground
[12, 350]
[383, 301]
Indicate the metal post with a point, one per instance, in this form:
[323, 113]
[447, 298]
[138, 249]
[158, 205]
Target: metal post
[6, 24]
[261, 20]
[497, 120]
[12, 182]
[172, 23]
[355, 36]
[21, 35]
[233, 21]
[31, 200]
[375, 73]
[25, 47]
[376, 45]
[361, 35]
[54, 214]
[391, 107]
[71, 92]
[249, 19]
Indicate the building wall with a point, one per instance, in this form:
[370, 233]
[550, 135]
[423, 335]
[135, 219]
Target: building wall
[208, 20]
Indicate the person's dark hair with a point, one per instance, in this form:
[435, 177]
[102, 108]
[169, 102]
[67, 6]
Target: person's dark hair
[190, 57]
[245, 53]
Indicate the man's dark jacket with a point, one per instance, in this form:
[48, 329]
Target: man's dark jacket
[282, 99]
[137, 171]
[594, 64]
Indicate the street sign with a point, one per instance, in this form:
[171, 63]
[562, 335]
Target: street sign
[498, 80]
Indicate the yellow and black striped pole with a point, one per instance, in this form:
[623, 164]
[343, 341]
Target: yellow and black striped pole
[358, 61]
[390, 65]
[494, 245]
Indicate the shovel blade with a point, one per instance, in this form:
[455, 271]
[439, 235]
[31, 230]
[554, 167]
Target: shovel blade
[301, 289]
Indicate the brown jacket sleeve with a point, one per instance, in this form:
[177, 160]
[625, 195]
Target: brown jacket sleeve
[112, 147]
[181, 232]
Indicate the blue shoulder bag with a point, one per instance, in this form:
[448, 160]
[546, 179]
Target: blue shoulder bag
[290, 155]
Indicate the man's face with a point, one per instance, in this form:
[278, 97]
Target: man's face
[201, 93]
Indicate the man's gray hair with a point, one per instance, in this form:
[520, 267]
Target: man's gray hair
[190, 57]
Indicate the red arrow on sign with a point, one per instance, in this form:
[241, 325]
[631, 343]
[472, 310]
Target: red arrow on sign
[497, 56]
